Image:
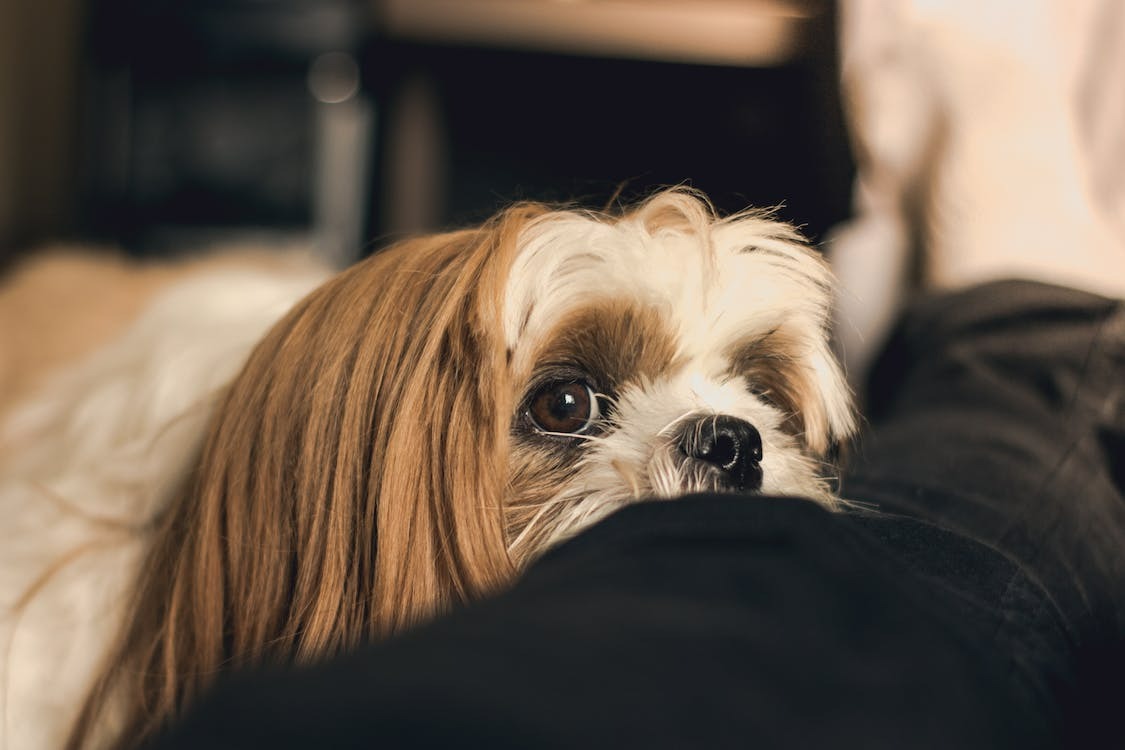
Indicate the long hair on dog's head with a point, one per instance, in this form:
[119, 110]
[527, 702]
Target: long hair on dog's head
[333, 503]
[431, 419]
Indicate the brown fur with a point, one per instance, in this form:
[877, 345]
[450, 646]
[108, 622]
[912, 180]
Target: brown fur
[775, 366]
[615, 338]
[333, 504]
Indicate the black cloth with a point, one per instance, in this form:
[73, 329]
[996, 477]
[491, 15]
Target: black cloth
[977, 600]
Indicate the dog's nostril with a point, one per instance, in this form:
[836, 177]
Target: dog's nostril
[719, 449]
[727, 443]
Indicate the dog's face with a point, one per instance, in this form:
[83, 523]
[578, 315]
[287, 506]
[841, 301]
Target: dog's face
[664, 354]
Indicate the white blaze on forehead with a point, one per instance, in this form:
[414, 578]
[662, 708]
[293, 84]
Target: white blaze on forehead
[711, 395]
[568, 260]
[716, 284]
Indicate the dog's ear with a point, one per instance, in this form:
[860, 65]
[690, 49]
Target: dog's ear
[351, 483]
[378, 414]
[825, 401]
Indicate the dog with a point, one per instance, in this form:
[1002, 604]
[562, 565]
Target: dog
[272, 466]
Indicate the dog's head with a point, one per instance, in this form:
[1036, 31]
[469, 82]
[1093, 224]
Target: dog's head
[431, 419]
[662, 353]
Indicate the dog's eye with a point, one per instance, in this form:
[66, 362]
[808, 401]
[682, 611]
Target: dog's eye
[568, 408]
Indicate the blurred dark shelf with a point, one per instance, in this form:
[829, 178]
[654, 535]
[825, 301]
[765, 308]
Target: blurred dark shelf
[515, 125]
[199, 119]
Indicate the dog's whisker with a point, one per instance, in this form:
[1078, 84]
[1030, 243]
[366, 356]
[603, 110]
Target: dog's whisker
[577, 435]
[531, 526]
[607, 398]
[627, 473]
[669, 429]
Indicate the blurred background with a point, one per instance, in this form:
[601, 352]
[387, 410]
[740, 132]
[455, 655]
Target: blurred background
[161, 126]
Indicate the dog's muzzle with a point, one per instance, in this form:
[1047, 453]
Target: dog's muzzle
[731, 446]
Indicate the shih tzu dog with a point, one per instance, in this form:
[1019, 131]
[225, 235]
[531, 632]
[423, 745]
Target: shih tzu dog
[230, 483]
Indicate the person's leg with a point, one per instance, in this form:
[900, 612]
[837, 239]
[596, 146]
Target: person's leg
[707, 622]
[998, 409]
[999, 413]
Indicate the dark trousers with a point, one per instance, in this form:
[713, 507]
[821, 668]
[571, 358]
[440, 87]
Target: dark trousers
[999, 413]
[979, 601]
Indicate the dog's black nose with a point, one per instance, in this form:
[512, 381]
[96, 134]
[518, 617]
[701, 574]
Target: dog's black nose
[730, 444]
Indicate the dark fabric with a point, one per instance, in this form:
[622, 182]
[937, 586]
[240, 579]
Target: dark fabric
[979, 603]
[999, 413]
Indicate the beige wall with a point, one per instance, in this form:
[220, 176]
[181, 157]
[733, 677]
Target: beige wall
[38, 106]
